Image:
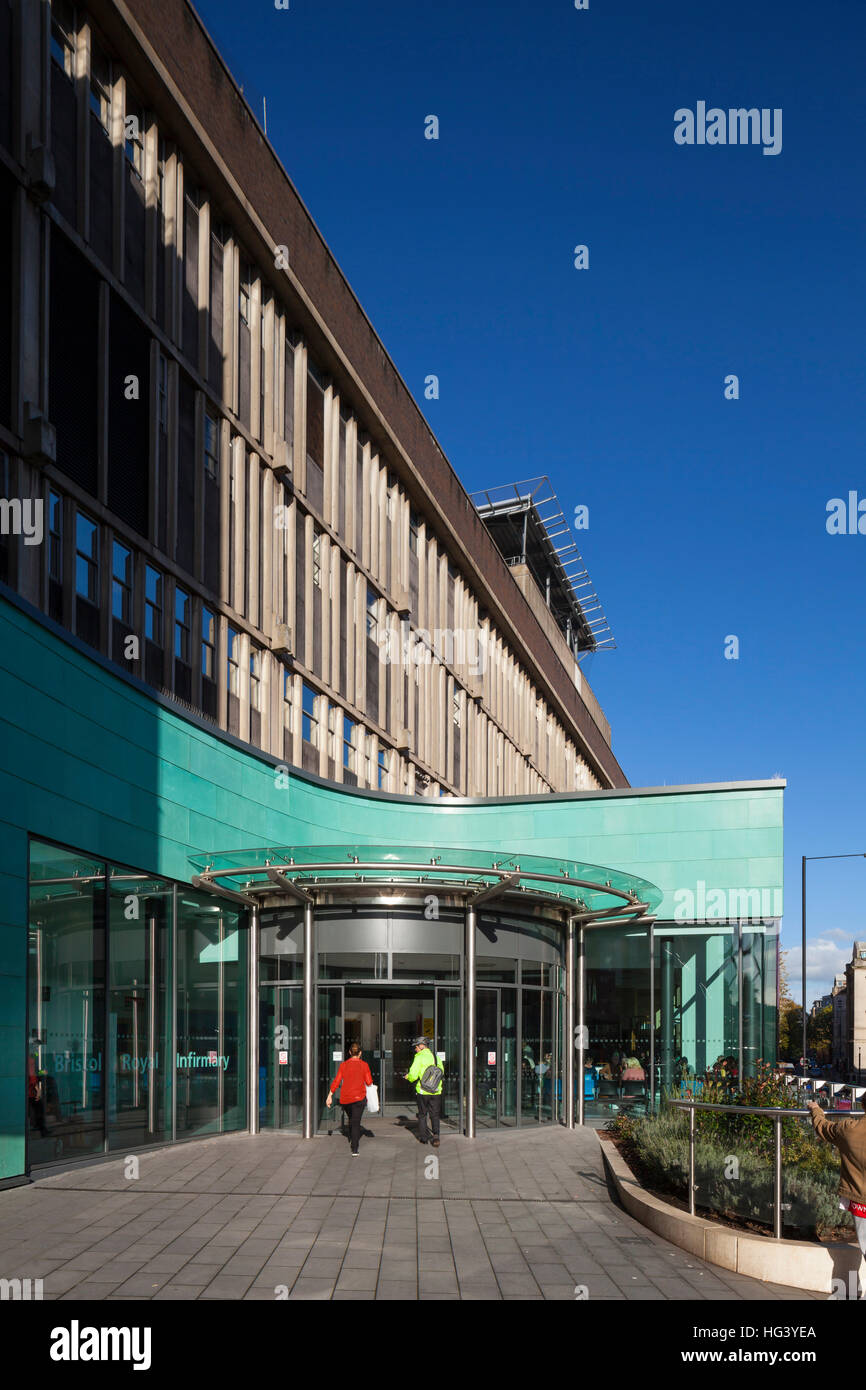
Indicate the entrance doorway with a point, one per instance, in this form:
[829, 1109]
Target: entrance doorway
[386, 1025]
[496, 1069]
[385, 1020]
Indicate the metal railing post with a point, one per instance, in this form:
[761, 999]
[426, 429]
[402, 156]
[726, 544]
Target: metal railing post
[777, 1180]
[692, 1159]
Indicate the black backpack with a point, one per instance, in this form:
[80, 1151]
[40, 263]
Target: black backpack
[430, 1079]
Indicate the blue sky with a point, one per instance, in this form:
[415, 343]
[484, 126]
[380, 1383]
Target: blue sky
[707, 516]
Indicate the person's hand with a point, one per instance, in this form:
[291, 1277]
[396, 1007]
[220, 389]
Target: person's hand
[328, 1101]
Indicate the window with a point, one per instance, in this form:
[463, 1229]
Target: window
[63, 37]
[153, 606]
[208, 644]
[86, 558]
[211, 446]
[255, 679]
[414, 526]
[455, 708]
[349, 749]
[181, 625]
[55, 537]
[100, 86]
[121, 583]
[372, 613]
[232, 662]
[382, 770]
[309, 727]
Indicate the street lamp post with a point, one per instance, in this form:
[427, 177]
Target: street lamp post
[805, 858]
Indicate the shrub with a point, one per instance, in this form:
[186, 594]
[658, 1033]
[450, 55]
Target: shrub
[658, 1148]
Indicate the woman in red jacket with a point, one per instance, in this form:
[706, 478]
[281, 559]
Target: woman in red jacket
[354, 1077]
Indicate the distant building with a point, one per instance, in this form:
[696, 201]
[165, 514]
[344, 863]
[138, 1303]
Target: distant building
[839, 1001]
[855, 1028]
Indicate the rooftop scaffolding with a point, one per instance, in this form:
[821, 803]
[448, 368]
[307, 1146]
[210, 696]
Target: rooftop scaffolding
[529, 527]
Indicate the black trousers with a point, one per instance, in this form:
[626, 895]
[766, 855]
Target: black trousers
[428, 1107]
[353, 1113]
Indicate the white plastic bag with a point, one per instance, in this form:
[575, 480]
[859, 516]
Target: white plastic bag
[373, 1099]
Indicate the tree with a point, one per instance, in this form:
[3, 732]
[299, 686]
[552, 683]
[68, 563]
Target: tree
[790, 1031]
[819, 1034]
[790, 1017]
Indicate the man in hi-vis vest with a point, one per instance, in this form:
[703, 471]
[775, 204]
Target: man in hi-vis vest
[427, 1075]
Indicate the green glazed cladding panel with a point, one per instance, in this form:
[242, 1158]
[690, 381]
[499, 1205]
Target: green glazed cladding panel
[91, 761]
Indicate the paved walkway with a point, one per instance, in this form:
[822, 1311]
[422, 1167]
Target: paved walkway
[523, 1215]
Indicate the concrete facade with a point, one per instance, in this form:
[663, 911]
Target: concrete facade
[267, 516]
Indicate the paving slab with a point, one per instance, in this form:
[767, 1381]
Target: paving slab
[512, 1215]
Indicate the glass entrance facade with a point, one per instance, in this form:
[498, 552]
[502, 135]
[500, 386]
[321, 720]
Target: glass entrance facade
[149, 1024]
[137, 1009]
[379, 983]
[669, 1004]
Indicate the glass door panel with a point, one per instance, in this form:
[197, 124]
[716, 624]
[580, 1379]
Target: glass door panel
[530, 1081]
[66, 1047]
[211, 1026]
[281, 1057]
[329, 1050]
[487, 1057]
[405, 1019]
[139, 1017]
[547, 1072]
[509, 1071]
[618, 1011]
[363, 1024]
[448, 1048]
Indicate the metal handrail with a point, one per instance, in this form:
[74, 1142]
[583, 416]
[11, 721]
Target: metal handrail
[771, 1110]
[770, 1113]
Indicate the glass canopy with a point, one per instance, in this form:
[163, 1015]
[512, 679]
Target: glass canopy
[581, 888]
